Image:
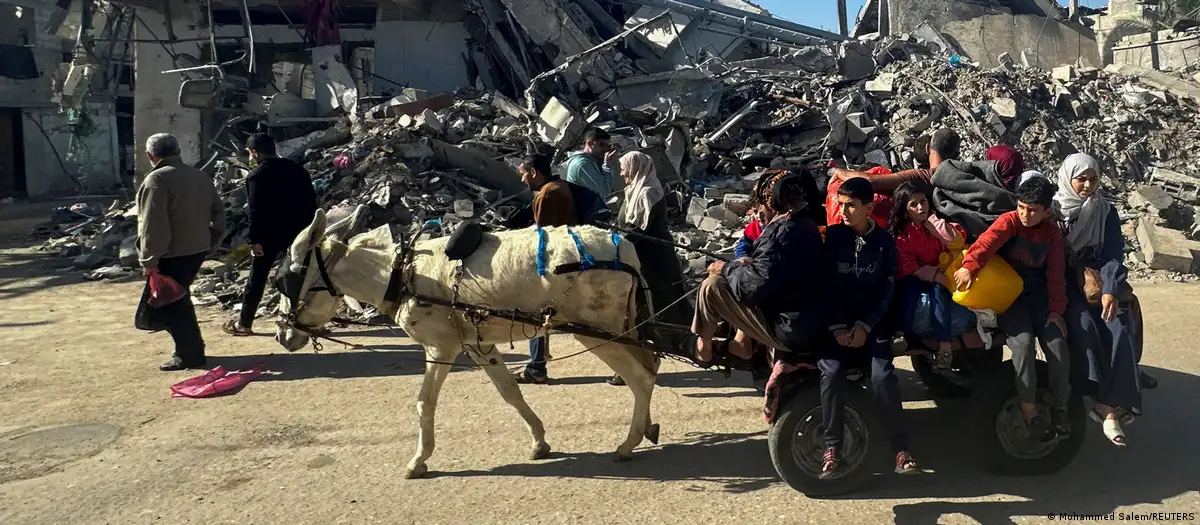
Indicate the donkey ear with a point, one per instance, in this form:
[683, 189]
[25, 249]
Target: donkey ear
[316, 230]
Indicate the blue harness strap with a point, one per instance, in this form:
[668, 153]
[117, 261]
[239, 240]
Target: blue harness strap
[617, 244]
[585, 259]
[541, 252]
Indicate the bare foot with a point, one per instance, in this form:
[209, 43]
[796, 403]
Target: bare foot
[703, 350]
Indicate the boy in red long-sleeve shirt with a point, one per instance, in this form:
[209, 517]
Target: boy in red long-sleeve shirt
[1031, 241]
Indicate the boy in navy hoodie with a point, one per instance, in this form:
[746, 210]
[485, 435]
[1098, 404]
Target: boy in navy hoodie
[864, 273]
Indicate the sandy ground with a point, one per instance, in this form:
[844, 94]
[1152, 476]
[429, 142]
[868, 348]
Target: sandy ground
[90, 435]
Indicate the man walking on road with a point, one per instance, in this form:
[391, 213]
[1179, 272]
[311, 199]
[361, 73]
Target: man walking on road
[180, 220]
[282, 203]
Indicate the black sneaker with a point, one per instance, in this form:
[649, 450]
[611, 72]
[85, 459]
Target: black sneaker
[1039, 429]
[177, 363]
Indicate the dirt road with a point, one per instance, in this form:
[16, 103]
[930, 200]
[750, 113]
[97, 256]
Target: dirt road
[89, 435]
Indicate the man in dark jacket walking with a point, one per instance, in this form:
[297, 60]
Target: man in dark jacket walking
[180, 220]
[282, 203]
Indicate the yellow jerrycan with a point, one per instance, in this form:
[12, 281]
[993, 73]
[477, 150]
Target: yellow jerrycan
[996, 285]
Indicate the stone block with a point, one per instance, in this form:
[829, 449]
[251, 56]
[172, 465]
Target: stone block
[1154, 199]
[709, 224]
[1167, 249]
[713, 193]
[882, 85]
[128, 254]
[696, 209]
[1005, 108]
[89, 261]
[215, 268]
[1063, 73]
[738, 203]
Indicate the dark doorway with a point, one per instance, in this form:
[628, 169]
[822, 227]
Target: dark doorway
[12, 159]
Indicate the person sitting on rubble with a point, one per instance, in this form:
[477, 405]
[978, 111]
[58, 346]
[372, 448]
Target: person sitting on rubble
[590, 168]
[553, 205]
[645, 212]
[921, 238]
[758, 295]
[863, 260]
[1012, 163]
[1104, 354]
[1032, 242]
[943, 145]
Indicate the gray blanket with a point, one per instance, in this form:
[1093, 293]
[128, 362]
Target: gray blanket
[971, 194]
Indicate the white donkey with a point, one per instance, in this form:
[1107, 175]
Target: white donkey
[502, 274]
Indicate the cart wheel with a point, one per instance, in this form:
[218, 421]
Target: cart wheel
[797, 445]
[998, 433]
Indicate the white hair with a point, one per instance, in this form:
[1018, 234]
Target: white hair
[162, 145]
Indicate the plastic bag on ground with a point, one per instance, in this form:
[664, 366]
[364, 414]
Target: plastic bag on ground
[215, 382]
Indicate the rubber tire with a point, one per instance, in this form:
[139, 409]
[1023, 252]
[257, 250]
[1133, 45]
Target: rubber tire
[800, 402]
[937, 384]
[992, 388]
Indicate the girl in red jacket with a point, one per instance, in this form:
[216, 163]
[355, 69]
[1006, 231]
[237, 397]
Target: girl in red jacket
[921, 237]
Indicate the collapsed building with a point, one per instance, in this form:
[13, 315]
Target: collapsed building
[713, 93]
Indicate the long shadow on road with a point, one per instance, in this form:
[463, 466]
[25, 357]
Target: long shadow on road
[382, 361]
[1160, 463]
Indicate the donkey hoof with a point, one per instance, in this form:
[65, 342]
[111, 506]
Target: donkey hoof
[541, 451]
[416, 472]
[652, 433]
[619, 457]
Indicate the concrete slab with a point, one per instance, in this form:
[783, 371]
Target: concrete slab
[1167, 249]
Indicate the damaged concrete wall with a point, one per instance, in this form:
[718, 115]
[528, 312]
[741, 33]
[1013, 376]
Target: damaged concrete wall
[984, 29]
[424, 55]
[91, 158]
[156, 106]
[47, 52]
[1162, 51]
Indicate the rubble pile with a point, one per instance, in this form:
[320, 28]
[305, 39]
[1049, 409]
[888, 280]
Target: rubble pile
[426, 162]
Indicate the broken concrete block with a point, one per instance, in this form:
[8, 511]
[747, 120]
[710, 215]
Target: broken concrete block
[127, 256]
[204, 286]
[1063, 73]
[709, 224]
[697, 265]
[430, 121]
[215, 268]
[89, 260]
[713, 193]
[1154, 199]
[696, 209]
[1005, 108]
[1167, 249]
[883, 85]
[558, 125]
[738, 203]
[879, 157]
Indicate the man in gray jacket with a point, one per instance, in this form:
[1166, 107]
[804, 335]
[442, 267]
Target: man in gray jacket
[180, 220]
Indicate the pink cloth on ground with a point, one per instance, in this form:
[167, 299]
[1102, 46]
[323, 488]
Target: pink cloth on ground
[214, 383]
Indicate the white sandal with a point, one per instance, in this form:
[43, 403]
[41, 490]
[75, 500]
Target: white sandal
[1113, 432]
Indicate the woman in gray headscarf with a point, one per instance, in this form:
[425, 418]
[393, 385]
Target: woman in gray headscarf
[645, 212]
[1104, 353]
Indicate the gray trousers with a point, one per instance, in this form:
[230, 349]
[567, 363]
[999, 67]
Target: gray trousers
[1025, 324]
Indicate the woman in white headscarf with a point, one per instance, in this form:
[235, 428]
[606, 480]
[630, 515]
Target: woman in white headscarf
[644, 211]
[1104, 353]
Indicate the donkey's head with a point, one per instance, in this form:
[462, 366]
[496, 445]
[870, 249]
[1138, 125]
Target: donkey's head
[307, 298]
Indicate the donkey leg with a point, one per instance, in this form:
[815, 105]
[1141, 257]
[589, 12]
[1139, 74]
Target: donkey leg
[435, 375]
[493, 363]
[622, 360]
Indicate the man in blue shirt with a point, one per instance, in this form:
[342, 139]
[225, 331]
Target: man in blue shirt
[589, 168]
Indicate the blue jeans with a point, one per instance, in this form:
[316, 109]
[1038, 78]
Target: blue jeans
[911, 288]
[538, 347]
